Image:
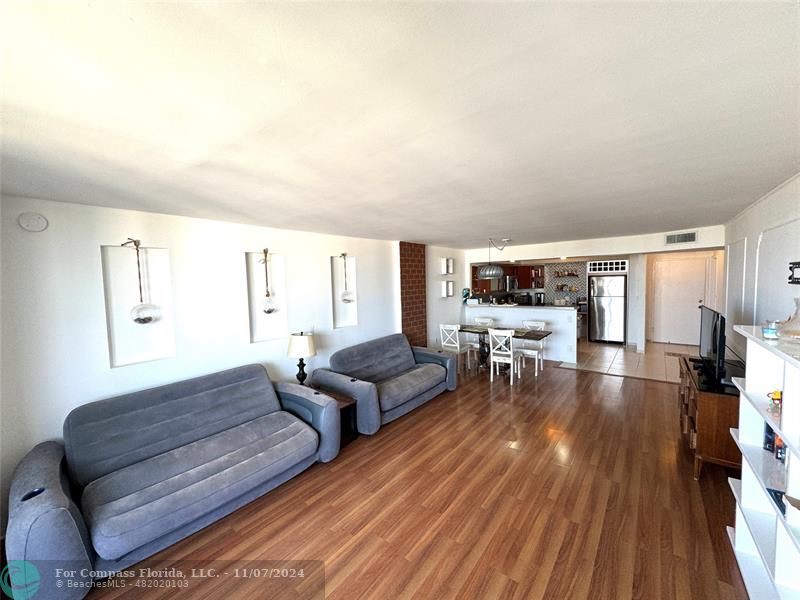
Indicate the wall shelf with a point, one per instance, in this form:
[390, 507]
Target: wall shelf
[762, 404]
[756, 579]
[766, 545]
[770, 472]
[761, 526]
[447, 266]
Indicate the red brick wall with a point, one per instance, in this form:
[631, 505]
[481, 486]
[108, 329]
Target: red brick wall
[413, 293]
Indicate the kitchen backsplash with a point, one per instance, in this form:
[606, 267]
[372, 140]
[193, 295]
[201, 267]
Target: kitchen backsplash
[552, 281]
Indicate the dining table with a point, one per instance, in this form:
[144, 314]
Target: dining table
[531, 335]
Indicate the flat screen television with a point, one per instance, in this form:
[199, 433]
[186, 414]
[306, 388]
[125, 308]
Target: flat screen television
[712, 343]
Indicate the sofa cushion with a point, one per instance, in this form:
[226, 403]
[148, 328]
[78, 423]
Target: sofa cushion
[399, 389]
[375, 360]
[105, 436]
[141, 502]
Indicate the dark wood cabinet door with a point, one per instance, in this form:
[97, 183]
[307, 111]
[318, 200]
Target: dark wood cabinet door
[707, 419]
[716, 416]
[524, 277]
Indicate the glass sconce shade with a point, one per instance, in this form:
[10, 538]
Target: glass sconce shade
[144, 313]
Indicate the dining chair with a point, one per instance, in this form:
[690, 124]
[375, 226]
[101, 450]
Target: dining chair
[448, 334]
[474, 341]
[534, 349]
[502, 351]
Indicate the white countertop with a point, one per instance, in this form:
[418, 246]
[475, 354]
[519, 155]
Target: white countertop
[788, 351]
[528, 307]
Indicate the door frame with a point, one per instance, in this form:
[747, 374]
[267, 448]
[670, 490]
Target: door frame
[714, 269]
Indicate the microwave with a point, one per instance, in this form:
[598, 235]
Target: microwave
[523, 299]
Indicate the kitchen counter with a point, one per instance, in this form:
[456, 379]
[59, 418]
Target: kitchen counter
[528, 306]
[561, 346]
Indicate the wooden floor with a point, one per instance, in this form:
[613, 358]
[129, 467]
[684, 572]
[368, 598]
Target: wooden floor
[570, 486]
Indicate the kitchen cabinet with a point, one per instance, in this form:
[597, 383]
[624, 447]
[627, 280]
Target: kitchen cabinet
[482, 286]
[528, 277]
[490, 285]
[476, 283]
[524, 277]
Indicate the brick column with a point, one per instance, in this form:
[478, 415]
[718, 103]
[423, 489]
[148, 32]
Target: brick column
[413, 293]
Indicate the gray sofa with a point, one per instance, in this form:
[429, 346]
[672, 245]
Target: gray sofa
[387, 378]
[139, 472]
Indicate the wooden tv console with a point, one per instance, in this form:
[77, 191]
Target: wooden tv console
[706, 420]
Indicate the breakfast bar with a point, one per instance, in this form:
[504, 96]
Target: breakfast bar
[561, 321]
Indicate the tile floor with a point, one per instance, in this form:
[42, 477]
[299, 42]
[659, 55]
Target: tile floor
[655, 363]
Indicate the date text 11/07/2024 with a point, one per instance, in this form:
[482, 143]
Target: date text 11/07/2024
[252, 573]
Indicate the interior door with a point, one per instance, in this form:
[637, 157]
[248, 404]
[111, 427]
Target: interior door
[679, 287]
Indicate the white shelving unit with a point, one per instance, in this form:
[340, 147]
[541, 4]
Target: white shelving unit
[765, 542]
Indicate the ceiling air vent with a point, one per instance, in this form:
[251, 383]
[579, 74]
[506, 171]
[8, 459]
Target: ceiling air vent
[681, 238]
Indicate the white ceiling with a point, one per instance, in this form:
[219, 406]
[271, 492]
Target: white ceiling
[443, 123]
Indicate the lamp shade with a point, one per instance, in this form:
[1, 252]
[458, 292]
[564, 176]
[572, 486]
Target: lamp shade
[301, 345]
[490, 272]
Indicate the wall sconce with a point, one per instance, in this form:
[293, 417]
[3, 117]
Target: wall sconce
[143, 312]
[794, 272]
[347, 295]
[269, 306]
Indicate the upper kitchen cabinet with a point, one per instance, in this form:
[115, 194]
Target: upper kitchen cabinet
[489, 285]
[524, 277]
[528, 277]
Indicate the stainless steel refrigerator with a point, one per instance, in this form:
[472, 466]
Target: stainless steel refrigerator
[607, 308]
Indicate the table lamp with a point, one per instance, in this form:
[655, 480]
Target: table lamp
[301, 345]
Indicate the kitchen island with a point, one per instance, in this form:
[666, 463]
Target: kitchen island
[561, 346]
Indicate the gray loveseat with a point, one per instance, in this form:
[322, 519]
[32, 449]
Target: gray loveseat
[387, 378]
[139, 472]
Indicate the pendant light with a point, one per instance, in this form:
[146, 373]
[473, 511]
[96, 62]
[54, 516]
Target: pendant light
[268, 305]
[491, 271]
[347, 295]
[143, 312]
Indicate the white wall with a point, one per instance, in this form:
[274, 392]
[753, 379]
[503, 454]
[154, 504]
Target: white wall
[707, 237]
[55, 353]
[637, 295]
[443, 310]
[759, 244]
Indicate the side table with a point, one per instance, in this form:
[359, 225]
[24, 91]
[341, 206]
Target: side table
[347, 414]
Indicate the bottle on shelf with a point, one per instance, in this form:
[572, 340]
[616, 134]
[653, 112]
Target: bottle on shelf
[780, 449]
[769, 438]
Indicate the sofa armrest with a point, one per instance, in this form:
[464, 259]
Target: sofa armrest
[45, 526]
[368, 412]
[316, 409]
[439, 357]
